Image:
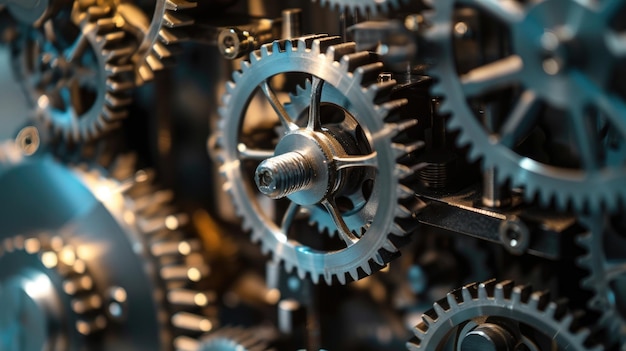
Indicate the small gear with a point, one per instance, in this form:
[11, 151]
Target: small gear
[499, 315]
[73, 75]
[604, 260]
[36, 271]
[338, 160]
[364, 6]
[561, 127]
[149, 274]
[232, 339]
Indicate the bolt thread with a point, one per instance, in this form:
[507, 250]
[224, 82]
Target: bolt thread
[283, 175]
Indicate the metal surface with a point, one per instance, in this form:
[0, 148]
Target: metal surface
[365, 6]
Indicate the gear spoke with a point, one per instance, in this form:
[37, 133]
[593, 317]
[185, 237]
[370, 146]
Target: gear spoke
[314, 122]
[521, 120]
[356, 161]
[508, 11]
[77, 48]
[492, 76]
[253, 154]
[278, 107]
[342, 228]
[289, 216]
[587, 142]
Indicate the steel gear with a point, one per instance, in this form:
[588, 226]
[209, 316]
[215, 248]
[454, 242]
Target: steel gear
[284, 170]
[558, 73]
[604, 260]
[232, 339]
[73, 76]
[364, 6]
[498, 315]
[35, 272]
[149, 275]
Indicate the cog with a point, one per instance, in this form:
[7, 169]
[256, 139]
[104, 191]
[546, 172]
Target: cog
[232, 339]
[604, 260]
[150, 275]
[364, 6]
[34, 272]
[561, 128]
[74, 76]
[284, 170]
[34, 13]
[500, 314]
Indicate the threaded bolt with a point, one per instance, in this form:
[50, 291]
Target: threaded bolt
[283, 175]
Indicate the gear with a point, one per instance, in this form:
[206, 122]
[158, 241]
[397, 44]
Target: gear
[364, 6]
[232, 339]
[604, 260]
[35, 271]
[498, 316]
[149, 275]
[334, 156]
[73, 76]
[558, 73]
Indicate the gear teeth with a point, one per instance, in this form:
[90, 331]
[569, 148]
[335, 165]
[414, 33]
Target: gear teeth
[337, 51]
[323, 45]
[359, 69]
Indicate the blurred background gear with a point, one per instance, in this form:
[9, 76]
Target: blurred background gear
[536, 99]
[366, 6]
[232, 339]
[154, 268]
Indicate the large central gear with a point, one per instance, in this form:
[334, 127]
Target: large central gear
[546, 73]
[72, 74]
[498, 316]
[314, 162]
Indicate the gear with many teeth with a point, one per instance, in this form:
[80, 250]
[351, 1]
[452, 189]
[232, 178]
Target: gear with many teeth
[150, 276]
[72, 72]
[541, 111]
[36, 271]
[314, 162]
[604, 260]
[364, 6]
[499, 316]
